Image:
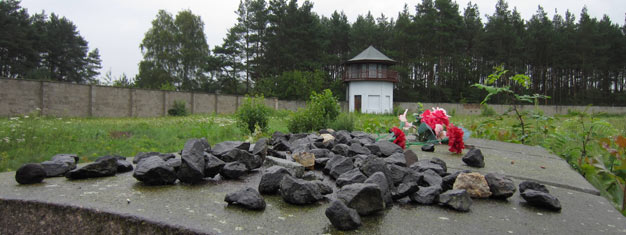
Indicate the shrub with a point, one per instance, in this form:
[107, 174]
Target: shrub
[487, 111]
[320, 111]
[178, 109]
[253, 112]
[345, 121]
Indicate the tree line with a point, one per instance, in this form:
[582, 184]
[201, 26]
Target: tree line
[44, 47]
[284, 49]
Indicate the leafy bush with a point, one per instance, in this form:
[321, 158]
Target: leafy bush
[178, 109]
[345, 121]
[487, 111]
[253, 112]
[320, 111]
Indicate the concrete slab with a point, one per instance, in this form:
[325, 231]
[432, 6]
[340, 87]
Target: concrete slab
[201, 208]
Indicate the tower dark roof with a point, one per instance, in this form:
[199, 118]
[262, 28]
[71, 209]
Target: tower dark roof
[371, 54]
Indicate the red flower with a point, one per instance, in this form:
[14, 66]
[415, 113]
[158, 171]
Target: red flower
[437, 116]
[455, 139]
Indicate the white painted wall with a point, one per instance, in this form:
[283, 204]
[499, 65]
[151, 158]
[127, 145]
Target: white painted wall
[376, 96]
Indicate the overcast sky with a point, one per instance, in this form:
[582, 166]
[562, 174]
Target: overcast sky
[116, 27]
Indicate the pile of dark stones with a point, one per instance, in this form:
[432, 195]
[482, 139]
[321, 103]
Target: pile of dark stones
[369, 175]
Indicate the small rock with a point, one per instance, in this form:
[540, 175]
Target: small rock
[397, 173]
[174, 163]
[396, 159]
[357, 149]
[310, 175]
[270, 181]
[366, 199]
[430, 178]
[426, 195]
[102, 168]
[523, 186]
[341, 149]
[373, 164]
[343, 166]
[404, 189]
[332, 162]
[474, 158]
[342, 136]
[381, 180]
[306, 159]
[351, 177]
[213, 165]
[277, 154]
[282, 145]
[448, 180]
[30, 173]
[122, 164]
[154, 171]
[410, 157]
[343, 217]
[320, 163]
[474, 183]
[321, 153]
[323, 187]
[192, 161]
[70, 159]
[251, 161]
[247, 198]
[541, 199]
[234, 170]
[327, 137]
[387, 148]
[55, 168]
[426, 164]
[440, 163]
[142, 155]
[501, 187]
[428, 148]
[296, 169]
[457, 199]
[299, 192]
[374, 149]
[260, 147]
[224, 147]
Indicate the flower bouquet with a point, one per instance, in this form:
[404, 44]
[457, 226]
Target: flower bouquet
[434, 127]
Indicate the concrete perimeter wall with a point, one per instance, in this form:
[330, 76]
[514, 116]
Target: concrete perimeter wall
[20, 97]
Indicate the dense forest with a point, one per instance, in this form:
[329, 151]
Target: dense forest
[284, 49]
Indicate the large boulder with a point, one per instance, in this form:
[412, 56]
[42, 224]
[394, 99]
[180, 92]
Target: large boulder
[247, 198]
[523, 186]
[457, 199]
[222, 148]
[541, 199]
[387, 148]
[192, 161]
[343, 217]
[102, 168]
[30, 173]
[213, 165]
[296, 169]
[351, 177]
[55, 168]
[233, 170]
[381, 180]
[366, 199]
[154, 171]
[343, 166]
[501, 187]
[426, 195]
[298, 191]
[270, 181]
[474, 158]
[474, 183]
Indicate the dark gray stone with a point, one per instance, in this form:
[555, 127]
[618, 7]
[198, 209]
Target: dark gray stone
[351, 177]
[192, 161]
[396, 159]
[332, 162]
[213, 165]
[154, 171]
[341, 149]
[366, 199]
[310, 175]
[323, 187]
[541, 199]
[320, 163]
[122, 164]
[410, 157]
[500, 186]
[381, 180]
[142, 155]
[250, 160]
[426, 164]
[373, 164]
[426, 195]
[224, 147]
[397, 173]
[387, 148]
[102, 168]
[343, 217]
[30, 173]
[55, 168]
[428, 148]
[457, 199]
[374, 149]
[440, 163]
[277, 136]
[357, 149]
[282, 145]
[110, 156]
[233, 170]
[260, 148]
[299, 192]
[247, 198]
[277, 154]
[430, 178]
[174, 163]
[70, 159]
[321, 153]
[344, 165]
[474, 158]
[270, 181]
[342, 136]
[523, 186]
[403, 190]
